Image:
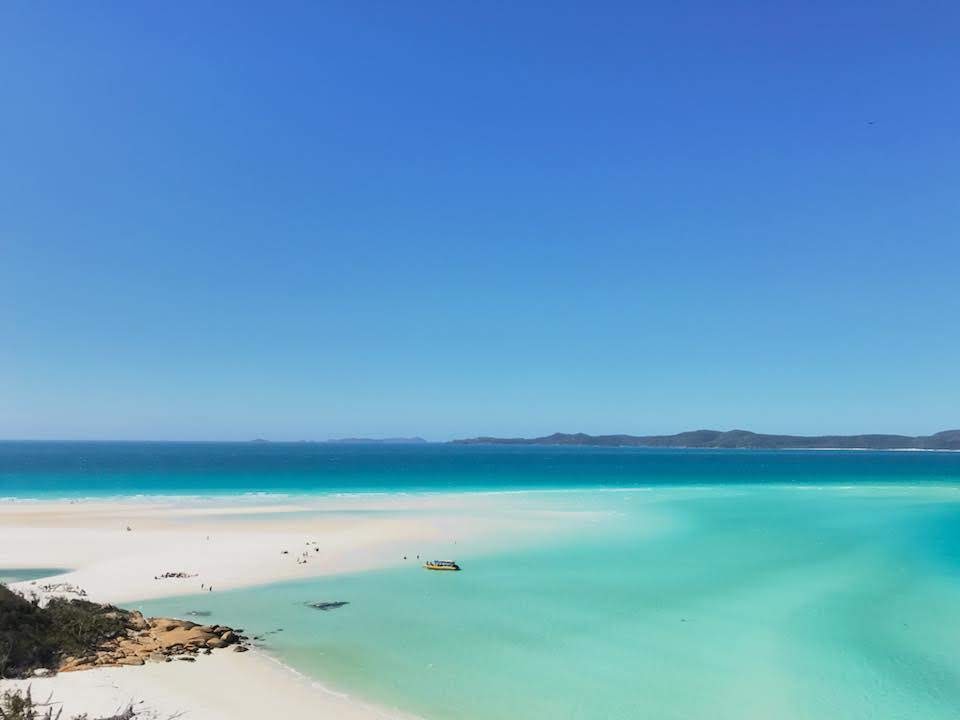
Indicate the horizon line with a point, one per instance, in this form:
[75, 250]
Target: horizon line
[419, 439]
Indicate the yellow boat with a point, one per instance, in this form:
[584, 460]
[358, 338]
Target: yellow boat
[441, 565]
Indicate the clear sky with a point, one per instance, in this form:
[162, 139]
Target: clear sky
[297, 221]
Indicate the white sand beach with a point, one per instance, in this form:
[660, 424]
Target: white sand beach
[117, 550]
[215, 687]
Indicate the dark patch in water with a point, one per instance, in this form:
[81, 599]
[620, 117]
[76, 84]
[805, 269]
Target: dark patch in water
[328, 605]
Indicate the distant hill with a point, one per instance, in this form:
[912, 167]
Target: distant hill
[379, 441]
[947, 440]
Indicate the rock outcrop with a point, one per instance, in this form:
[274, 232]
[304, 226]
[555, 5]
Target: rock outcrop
[155, 640]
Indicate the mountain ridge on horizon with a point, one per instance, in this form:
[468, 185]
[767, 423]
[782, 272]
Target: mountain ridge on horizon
[738, 439]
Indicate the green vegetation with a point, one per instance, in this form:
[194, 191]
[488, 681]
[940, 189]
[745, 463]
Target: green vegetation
[18, 705]
[78, 627]
[33, 637]
[26, 640]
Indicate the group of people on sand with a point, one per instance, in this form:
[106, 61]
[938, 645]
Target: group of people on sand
[182, 576]
[303, 557]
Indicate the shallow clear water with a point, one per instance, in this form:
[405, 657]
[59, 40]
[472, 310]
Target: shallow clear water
[690, 602]
[721, 584]
[12, 575]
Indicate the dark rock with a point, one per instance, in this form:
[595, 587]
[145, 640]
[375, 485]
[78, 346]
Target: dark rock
[136, 621]
[329, 605]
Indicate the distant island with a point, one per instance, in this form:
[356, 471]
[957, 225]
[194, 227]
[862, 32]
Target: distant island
[743, 439]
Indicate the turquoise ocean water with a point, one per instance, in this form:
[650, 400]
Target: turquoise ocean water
[721, 584]
[55, 470]
[11, 575]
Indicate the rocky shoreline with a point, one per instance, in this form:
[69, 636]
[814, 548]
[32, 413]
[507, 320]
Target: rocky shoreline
[40, 636]
[145, 640]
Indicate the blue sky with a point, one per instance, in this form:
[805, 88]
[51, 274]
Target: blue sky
[294, 221]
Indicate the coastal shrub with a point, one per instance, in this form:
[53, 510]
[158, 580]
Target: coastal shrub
[34, 637]
[78, 627]
[18, 705]
[26, 640]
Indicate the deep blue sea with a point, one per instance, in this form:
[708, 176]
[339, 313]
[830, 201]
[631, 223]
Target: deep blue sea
[97, 469]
